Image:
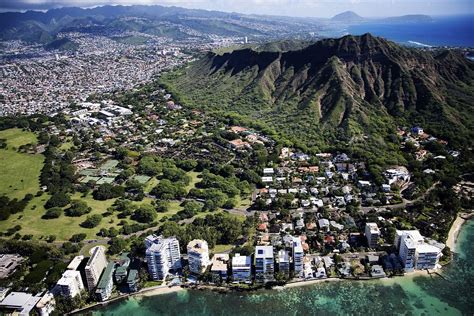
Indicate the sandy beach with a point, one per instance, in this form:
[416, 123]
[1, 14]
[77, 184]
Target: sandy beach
[454, 232]
[158, 291]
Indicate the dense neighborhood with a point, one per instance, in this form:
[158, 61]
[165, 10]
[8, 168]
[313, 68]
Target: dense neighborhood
[245, 211]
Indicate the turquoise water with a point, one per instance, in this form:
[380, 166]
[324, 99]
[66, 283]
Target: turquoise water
[397, 296]
[450, 31]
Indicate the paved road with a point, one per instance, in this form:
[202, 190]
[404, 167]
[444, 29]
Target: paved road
[403, 204]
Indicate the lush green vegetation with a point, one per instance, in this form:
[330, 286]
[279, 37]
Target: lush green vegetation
[312, 98]
[19, 170]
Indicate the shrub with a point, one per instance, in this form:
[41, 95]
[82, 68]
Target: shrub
[59, 199]
[78, 237]
[54, 212]
[92, 221]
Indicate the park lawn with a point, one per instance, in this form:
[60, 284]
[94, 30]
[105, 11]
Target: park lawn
[195, 178]
[17, 137]
[222, 248]
[173, 208]
[19, 172]
[241, 218]
[64, 226]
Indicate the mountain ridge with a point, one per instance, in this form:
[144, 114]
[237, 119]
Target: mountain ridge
[346, 88]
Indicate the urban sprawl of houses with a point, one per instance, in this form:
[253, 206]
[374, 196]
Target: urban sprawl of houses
[303, 206]
[315, 239]
[35, 80]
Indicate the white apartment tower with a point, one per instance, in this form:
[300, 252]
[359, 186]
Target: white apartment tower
[162, 255]
[284, 262]
[70, 285]
[264, 264]
[372, 233]
[414, 252]
[241, 268]
[94, 267]
[198, 256]
[298, 256]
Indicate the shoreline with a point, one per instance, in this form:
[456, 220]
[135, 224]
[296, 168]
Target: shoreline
[157, 291]
[453, 235]
[455, 229]
[311, 282]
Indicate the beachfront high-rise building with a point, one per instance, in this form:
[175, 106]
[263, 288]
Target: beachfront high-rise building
[284, 262]
[106, 283]
[372, 233]
[198, 256]
[241, 268]
[414, 252]
[162, 255]
[264, 264]
[427, 256]
[94, 267]
[70, 285]
[298, 256]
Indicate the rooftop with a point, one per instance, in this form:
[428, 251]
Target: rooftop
[264, 252]
[374, 229]
[198, 245]
[239, 260]
[74, 264]
[24, 302]
[219, 262]
[106, 276]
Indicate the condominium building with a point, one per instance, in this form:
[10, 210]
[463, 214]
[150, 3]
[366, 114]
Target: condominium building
[75, 263]
[284, 262]
[298, 256]
[241, 268]
[46, 304]
[104, 288]
[427, 256]
[133, 280]
[414, 252]
[372, 233]
[70, 284]
[198, 256]
[220, 263]
[162, 255]
[94, 267]
[264, 264]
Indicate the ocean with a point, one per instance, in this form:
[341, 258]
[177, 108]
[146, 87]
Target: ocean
[410, 295]
[442, 31]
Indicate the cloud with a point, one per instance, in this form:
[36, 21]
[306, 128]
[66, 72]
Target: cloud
[279, 7]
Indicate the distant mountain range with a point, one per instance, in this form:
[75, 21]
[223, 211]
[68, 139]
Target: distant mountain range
[355, 89]
[172, 22]
[347, 17]
[350, 17]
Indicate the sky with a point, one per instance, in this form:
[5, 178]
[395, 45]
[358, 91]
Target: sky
[309, 8]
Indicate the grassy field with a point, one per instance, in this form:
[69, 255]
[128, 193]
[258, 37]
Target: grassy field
[222, 248]
[64, 226]
[19, 172]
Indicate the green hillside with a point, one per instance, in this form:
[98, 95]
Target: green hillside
[336, 92]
